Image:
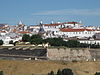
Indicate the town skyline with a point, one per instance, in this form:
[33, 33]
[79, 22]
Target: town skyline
[31, 12]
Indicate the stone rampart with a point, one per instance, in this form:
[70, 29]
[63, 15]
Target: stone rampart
[69, 54]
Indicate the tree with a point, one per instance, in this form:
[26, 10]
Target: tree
[36, 39]
[26, 38]
[11, 42]
[55, 41]
[97, 73]
[35, 36]
[67, 72]
[1, 72]
[59, 72]
[73, 43]
[1, 42]
[51, 73]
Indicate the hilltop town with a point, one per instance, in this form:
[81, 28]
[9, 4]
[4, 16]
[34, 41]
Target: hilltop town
[65, 30]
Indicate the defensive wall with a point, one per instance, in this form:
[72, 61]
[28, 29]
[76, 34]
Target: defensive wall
[73, 54]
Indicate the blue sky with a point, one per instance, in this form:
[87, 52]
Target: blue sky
[31, 12]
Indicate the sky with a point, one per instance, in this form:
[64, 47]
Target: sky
[31, 12]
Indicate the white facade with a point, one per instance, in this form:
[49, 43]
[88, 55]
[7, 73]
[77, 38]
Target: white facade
[90, 41]
[75, 32]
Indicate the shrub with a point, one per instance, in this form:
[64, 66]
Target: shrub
[1, 42]
[97, 73]
[1, 72]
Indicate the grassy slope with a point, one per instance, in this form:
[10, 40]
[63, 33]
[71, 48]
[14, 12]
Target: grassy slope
[43, 67]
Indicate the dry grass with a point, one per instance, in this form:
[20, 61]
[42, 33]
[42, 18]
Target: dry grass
[10, 67]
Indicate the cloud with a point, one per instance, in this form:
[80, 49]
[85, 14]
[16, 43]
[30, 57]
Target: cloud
[94, 12]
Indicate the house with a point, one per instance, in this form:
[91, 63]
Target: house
[70, 32]
[97, 36]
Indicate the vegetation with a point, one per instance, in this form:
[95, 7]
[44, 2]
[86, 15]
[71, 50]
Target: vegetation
[19, 67]
[26, 38]
[63, 72]
[11, 42]
[55, 41]
[37, 39]
[1, 72]
[1, 42]
[97, 73]
[51, 73]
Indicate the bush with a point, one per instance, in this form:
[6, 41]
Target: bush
[63, 72]
[67, 72]
[11, 42]
[26, 38]
[51, 73]
[1, 42]
[97, 73]
[1, 72]
[59, 72]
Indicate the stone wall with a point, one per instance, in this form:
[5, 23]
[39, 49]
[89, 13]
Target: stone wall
[69, 54]
[95, 53]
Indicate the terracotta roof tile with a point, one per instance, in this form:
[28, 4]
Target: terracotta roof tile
[72, 22]
[74, 30]
[23, 32]
[2, 31]
[55, 24]
[98, 33]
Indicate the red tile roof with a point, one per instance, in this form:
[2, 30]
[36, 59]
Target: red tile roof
[72, 22]
[23, 32]
[2, 31]
[98, 33]
[74, 30]
[55, 24]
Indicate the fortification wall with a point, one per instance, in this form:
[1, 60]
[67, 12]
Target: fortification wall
[69, 54]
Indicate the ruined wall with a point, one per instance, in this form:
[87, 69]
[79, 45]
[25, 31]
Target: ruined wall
[95, 53]
[69, 54]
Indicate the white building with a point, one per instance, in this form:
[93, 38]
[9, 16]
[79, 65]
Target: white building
[79, 33]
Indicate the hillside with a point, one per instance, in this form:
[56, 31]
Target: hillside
[10, 67]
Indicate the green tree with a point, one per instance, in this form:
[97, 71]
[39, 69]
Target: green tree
[1, 72]
[51, 73]
[97, 73]
[36, 39]
[11, 42]
[1, 42]
[55, 41]
[73, 43]
[35, 36]
[67, 72]
[26, 38]
[59, 72]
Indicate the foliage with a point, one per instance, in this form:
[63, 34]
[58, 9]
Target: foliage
[67, 72]
[51, 73]
[59, 72]
[11, 42]
[55, 41]
[1, 42]
[36, 39]
[1, 72]
[97, 73]
[36, 36]
[73, 43]
[63, 72]
[26, 38]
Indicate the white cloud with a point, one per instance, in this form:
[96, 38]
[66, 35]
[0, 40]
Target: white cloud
[94, 12]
